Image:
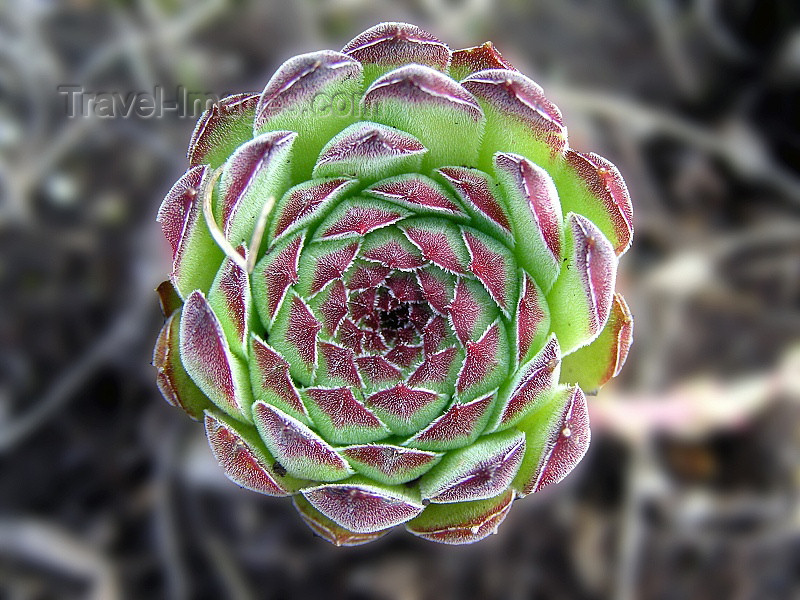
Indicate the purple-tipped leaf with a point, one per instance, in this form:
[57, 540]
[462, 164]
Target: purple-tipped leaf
[275, 273]
[172, 379]
[472, 310]
[557, 436]
[314, 94]
[297, 448]
[269, 374]
[478, 58]
[388, 45]
[438, 371]
[417, 192]
[439, 241]
[330, 306]
[298, 83]
[580, 299]
[184, 227]
[607, 204]
[342, 419]
[405, 409]
[486, 363]
[464, 522]
[329, 530]
[364, 507]
[337, 366]
[390, 464]
[231, 300]
[376, 371]
[535, 213]
[390, 248]
[433, 108]
[459, 426]
[476, 472]
[244, 458]
[370, 151]
[532, 384]
[209, 361]
[325, 261]
[520, 118]
[294, 336]
[494, 266]
[477, 192]
[358, 217]
[306, 202]
[224, 127]
[257, 171]
[437, 288]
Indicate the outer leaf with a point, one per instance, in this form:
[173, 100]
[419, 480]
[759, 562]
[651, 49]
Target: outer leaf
[209, 361]
[557, 436]
[433, 108]
[388, 45]
[313, 94]
[519, 118]
[580, 300]
[593, 365]
[328, 529]
[257, 171]
[476, 472]
[168, 298]
[592, 186]
[245, 459]
[193, 248]
[535, 213]
[224, 127]
[364, 507]
[463, 522]
[173, 381]
[300, 451]
[478, 58]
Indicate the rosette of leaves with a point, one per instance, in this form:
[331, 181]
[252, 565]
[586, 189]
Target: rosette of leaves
[391, 280]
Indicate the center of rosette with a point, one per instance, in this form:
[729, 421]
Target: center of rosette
[396, 321]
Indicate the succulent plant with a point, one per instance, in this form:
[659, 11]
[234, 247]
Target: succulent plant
[391, 280]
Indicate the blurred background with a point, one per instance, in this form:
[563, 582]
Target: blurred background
[690, 488]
